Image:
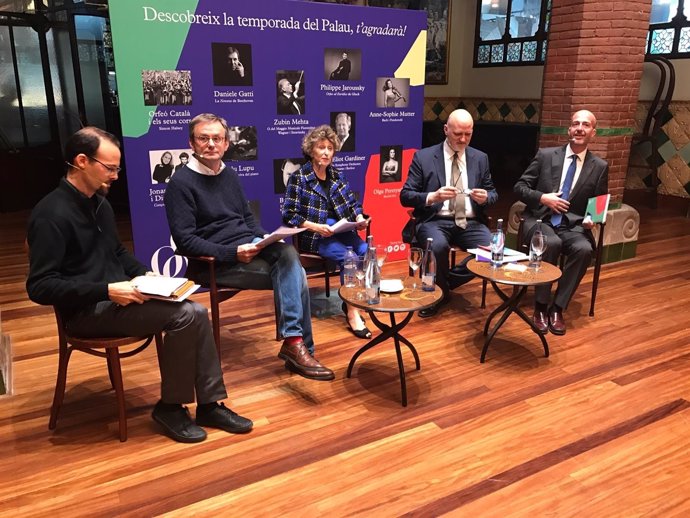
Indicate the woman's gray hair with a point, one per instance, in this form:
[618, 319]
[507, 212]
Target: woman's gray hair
[323, 132]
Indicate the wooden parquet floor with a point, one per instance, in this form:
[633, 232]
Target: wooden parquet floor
[600, 428]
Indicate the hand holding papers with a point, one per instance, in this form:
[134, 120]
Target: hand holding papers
[343, 226]
[280, 233]
[173, 289]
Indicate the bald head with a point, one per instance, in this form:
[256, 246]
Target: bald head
[458, 130]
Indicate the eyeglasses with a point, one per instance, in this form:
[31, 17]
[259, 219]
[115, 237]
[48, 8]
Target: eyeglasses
[203, 139]
[112, 169]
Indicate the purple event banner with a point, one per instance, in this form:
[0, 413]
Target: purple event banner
[358, 69]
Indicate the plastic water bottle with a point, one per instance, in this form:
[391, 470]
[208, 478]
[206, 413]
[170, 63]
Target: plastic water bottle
[372, 278]
[429, 267]
[350, 268]
[497, 244]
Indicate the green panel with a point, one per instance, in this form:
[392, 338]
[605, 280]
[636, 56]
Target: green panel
[629, 250]
[160, 51]
[601, 132]
[612, 253]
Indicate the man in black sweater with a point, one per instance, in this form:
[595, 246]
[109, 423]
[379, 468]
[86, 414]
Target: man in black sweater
[209, 215]
[79, 266]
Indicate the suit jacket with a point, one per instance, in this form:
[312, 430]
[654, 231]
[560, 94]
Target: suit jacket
[428, 173]
[543, 175]
[305, 200]
[285, 106]
[343, 70]
[348, 144]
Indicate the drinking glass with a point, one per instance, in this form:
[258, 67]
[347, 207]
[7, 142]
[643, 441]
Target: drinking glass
[414, 259]
[381, 253]
[359, 274]
[536, 249]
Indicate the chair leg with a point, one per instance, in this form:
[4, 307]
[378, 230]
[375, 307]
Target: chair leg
[63, 361]
[327, 278]
[159, 347]
[484, 283]
[114, 363]
[215, 322]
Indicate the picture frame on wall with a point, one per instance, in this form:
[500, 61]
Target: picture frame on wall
[437, 35]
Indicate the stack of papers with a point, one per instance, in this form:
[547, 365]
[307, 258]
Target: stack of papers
[173, 289]
[509, 255]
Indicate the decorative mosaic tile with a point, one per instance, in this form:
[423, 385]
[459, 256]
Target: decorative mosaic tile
[437, 108]
[667, 150]
[530, 111]
[676, 133]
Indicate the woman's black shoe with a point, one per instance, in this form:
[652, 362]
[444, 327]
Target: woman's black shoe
[359, 333]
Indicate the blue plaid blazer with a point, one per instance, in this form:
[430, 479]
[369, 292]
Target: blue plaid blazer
[305, 200]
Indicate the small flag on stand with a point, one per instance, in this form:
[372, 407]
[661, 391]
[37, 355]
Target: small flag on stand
[597, 208]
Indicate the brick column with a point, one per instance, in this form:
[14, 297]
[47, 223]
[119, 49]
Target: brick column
[594, 61]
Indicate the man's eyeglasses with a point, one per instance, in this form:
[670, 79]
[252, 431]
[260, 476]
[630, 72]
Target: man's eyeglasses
[112, 169]
[203, 139]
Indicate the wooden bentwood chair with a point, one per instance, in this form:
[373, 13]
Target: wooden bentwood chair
[108, 348]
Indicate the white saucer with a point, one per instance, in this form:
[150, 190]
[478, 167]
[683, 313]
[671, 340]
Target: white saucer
[391, 285]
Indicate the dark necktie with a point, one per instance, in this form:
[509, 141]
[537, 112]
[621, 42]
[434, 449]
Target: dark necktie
[567, 185]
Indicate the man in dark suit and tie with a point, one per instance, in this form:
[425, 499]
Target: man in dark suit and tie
[555, 187]
[449, 186]
[288, 101]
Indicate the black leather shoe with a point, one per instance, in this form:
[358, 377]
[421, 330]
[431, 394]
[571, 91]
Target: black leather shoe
[177, 423]
[556, 321]
[220, 416]
[430, 312]
[541, 320]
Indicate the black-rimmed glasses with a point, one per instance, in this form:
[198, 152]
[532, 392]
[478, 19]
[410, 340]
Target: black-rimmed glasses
[112, 169]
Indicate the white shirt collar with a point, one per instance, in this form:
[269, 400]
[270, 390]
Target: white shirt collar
[200, 168]
[569, 152]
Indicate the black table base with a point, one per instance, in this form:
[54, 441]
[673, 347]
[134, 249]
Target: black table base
[509, 305]
[390, 331]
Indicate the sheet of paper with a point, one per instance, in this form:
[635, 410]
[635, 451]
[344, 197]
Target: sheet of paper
[280, 233]
[343, 226]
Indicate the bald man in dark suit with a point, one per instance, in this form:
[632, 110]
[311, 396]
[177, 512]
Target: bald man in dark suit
[543, 188]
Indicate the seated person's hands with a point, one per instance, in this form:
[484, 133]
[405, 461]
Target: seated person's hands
[553, 201]
[362, 222]
[322, 229]
[247, 252]
[479, 195]
[587, 223]
[123, 293]
[447, 192]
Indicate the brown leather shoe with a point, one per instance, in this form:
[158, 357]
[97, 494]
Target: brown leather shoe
[556, 321]
[541, 320]
[299, 361]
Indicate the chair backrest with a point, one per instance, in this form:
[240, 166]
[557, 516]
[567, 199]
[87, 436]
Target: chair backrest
[658, 110]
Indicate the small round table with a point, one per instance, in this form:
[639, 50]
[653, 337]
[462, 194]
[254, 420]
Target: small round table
[520, 281]
[405, 301]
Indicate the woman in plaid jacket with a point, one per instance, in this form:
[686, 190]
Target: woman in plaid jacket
[316, 197]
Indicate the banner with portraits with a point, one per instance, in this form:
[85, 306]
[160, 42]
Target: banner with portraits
[274, 70]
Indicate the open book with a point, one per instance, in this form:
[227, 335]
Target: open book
[597, 207]
[173, 289]
[280, 233]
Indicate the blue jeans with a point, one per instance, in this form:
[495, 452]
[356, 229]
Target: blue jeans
[276, 268]
[334, 248]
